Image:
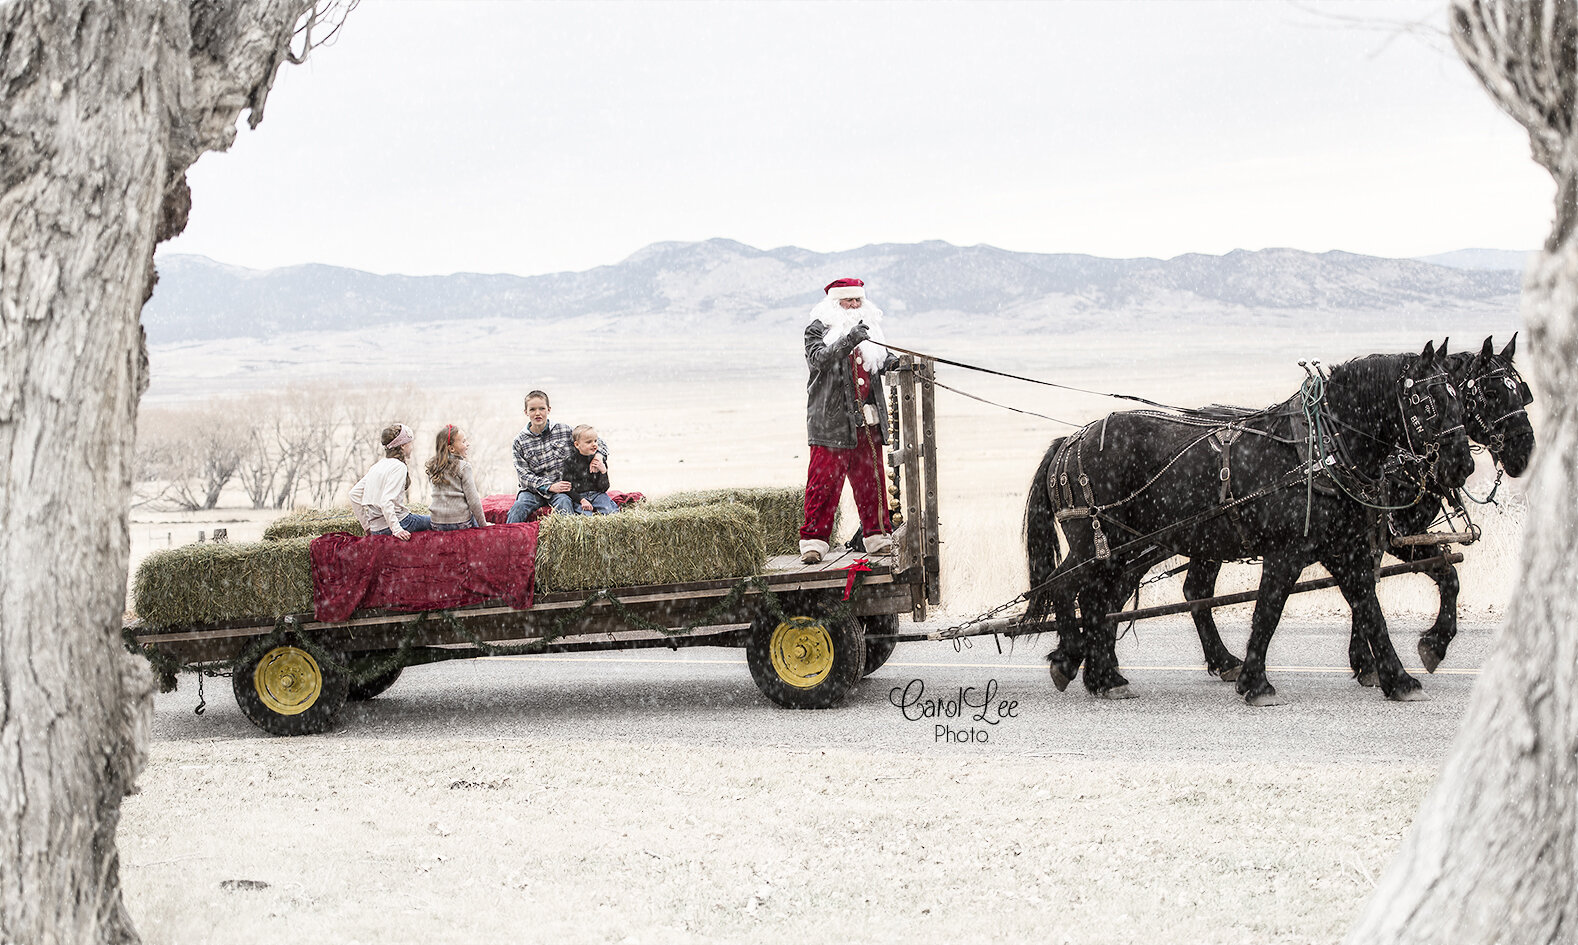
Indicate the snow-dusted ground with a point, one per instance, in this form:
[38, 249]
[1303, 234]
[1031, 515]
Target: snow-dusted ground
[656, 797]
[464, 841]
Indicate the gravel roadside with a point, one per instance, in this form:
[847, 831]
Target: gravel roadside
[379, 840]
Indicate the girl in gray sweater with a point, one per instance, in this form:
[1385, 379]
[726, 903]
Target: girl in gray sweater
[456, 502]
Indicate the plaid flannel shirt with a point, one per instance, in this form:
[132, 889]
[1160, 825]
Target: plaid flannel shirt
[539, 457]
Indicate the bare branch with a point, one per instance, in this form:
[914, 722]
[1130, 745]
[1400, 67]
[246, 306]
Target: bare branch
[332, 14]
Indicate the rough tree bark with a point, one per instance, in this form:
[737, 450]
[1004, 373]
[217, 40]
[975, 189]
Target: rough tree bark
[1493, 852]
[103, 107]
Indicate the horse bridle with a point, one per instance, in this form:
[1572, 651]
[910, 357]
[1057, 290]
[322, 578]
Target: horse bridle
[1476, 401]
[1420, 398]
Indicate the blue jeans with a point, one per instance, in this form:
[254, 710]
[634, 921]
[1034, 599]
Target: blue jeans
[528, 502]
[468, 523]
[411, 523]
[601, 504]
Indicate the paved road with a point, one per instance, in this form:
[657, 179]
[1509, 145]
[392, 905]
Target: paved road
[705, 696]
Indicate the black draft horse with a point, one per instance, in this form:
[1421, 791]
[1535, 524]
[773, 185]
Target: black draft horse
[1295, 484]
[1495, 398]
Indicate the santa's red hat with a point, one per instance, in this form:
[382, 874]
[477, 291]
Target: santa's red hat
[845, 289]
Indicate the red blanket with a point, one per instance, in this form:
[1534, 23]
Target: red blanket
[497, 507]
[432, 571]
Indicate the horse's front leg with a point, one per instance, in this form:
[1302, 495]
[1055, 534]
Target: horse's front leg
[1355, 577]
[1097, 599]
[1199, 584]
[1433, 643]
[1278, 574]
[1063, 661]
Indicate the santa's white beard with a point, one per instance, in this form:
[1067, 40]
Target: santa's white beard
[840, 320]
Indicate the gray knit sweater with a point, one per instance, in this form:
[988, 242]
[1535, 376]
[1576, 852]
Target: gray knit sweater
[455, 498]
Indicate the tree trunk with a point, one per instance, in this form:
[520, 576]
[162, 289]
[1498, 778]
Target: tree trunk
[1492, 854]
[103, 107]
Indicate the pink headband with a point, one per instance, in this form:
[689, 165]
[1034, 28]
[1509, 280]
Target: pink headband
[402, 439]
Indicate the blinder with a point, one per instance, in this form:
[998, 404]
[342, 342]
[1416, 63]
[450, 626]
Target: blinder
[1477, 404]
[1422, 420]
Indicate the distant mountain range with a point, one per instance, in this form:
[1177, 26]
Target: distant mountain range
[1510, 259]
[724, 285]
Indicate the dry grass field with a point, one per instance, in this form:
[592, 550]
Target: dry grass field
[695, 414]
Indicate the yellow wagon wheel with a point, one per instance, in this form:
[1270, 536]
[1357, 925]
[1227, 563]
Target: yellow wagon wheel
[805, 661]
[801, 650]
[288, 680]
[285, 690]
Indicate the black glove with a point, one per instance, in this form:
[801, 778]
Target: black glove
[858, 334]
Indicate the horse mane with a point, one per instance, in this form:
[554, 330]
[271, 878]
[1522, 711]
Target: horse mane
[1369, 384]
[1373, 374]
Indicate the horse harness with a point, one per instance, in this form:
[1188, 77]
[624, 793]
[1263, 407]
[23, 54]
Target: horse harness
[1219, 433]
[1324, 457]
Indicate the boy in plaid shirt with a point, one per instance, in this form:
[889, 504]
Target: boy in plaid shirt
[540, 450]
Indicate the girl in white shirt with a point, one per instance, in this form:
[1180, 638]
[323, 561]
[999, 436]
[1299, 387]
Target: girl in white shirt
[378, 498]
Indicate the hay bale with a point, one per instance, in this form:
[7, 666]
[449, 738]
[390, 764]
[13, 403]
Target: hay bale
[649, 546]
[310, 523]
[781, 510]
[210, 582]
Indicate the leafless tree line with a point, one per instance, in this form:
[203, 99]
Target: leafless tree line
[281, 448]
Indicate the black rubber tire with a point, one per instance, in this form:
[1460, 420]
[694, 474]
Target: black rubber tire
[370, 688]
[315, 704]
[880, 649]
[841, 660]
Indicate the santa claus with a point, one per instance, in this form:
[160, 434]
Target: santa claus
[846, 423]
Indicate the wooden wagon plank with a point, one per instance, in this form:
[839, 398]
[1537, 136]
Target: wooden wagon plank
[1014, 627]
[928, 420]
[1314, 584]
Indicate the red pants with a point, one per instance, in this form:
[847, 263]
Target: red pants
[824, 484]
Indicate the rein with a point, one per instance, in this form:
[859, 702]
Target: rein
[1030, 380]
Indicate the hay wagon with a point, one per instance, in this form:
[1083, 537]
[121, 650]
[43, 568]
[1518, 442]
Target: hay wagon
[808, 639]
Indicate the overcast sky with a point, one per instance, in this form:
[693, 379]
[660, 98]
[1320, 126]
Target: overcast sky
[538, 137]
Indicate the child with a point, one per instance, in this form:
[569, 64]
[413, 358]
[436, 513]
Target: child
[588, 490]
[456, 502]
[378, 498]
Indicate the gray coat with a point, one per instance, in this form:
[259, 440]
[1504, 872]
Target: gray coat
[832, 414]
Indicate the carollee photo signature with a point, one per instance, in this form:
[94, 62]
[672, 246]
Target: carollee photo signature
[966, 704]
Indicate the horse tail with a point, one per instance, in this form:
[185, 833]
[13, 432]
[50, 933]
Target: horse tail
[1041, 543]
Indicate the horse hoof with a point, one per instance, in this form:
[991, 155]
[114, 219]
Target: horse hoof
[1060, 679]
[1369, 679]
[1429, 657]
[1230, 674]
[1415, 694]
[1119, 692]
[1263, 699]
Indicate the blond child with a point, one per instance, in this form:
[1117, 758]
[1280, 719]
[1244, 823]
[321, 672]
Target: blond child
[588, 489]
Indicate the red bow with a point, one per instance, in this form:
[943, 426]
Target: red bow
[861, 564]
